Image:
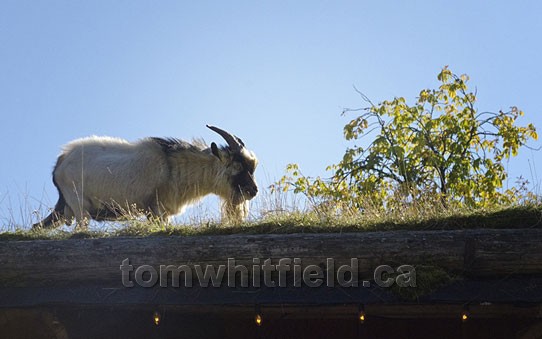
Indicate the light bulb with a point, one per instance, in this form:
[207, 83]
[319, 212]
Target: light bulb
[156, 318]
[361, 314]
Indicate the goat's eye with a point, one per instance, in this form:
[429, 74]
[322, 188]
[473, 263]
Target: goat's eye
[237, 166]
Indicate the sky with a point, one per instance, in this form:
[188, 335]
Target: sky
[275, 73]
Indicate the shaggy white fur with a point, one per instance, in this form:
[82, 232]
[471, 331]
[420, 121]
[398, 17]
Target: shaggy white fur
[106, 178]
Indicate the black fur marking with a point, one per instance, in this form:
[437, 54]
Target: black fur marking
[172, 145]
[248, 166]
[244, 183]
[244, 180]
[56, 215]
[107, 213]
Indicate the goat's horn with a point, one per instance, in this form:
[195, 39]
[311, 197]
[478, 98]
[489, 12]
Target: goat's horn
[234, 142]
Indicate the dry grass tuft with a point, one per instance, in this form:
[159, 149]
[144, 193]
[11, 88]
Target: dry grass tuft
[274, 213]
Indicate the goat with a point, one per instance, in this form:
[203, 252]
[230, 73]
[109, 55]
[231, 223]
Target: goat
[104, 178]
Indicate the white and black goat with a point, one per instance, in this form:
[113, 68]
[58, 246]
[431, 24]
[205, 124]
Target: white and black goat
[105, 178]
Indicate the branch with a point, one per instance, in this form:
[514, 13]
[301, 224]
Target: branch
[363, 96]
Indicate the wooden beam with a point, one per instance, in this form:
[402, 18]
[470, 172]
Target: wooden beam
[475, 253]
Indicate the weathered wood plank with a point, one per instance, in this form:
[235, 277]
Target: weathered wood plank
[474, 252]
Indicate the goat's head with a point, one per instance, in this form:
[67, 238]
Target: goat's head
[240, 164]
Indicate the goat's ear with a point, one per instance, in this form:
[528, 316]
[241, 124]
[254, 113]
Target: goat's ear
[215, 151]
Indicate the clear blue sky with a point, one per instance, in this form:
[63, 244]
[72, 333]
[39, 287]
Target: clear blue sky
[275, 73]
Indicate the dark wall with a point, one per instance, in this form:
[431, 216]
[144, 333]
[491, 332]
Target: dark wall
[107, 322]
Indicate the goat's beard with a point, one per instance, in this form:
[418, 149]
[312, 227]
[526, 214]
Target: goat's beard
[233, 212]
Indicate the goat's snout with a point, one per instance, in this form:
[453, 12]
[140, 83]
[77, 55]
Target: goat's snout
[251, 191]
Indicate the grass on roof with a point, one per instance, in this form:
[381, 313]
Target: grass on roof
[516, 217]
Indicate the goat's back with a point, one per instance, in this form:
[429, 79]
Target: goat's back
[105, 168]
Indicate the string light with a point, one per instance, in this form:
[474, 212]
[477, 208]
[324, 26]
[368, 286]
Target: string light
[465, 314]
[156, 318]
[361, 314]
[258, 316]
[258, 320]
